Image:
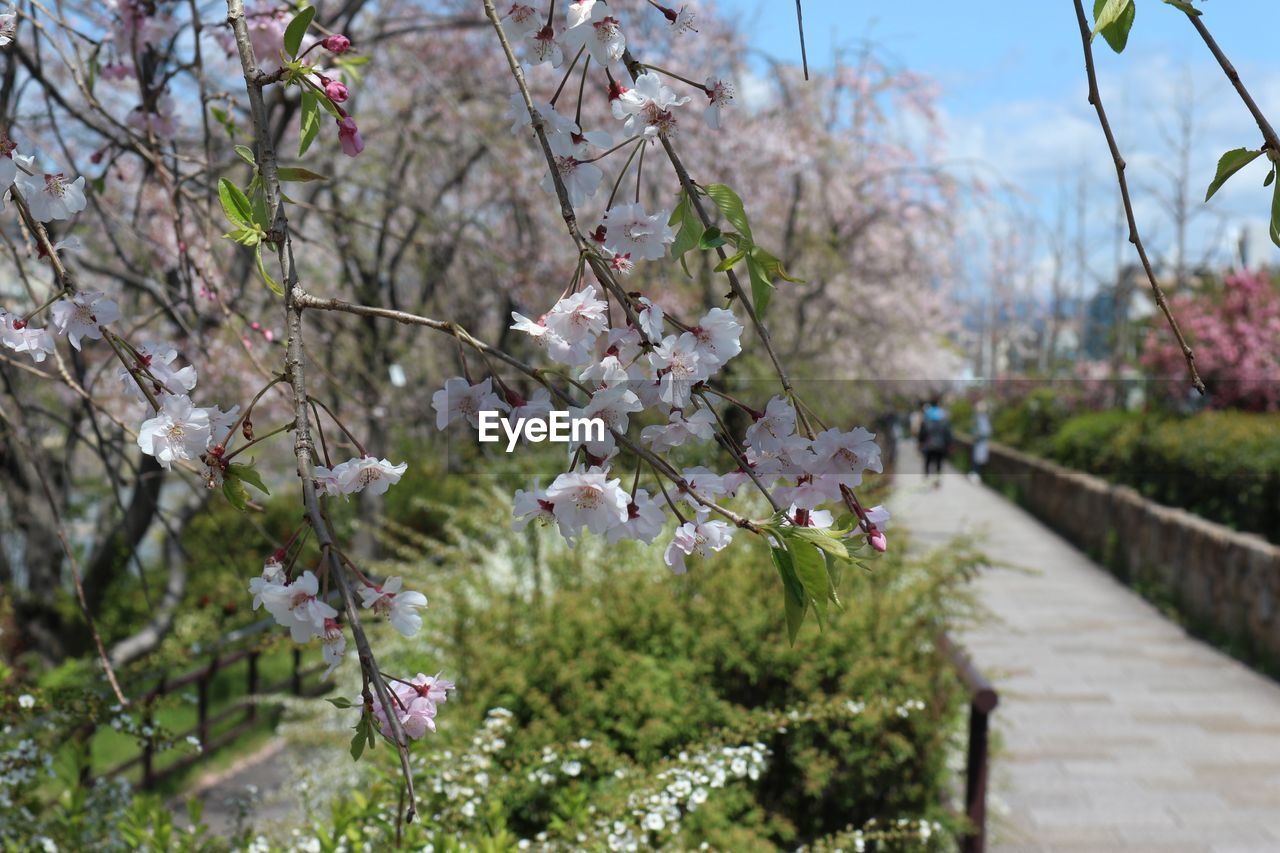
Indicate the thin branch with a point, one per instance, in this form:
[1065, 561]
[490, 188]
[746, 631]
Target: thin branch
[1268, 133]
[1095, 98]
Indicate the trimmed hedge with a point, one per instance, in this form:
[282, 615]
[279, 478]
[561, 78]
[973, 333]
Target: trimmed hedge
[1223, 466]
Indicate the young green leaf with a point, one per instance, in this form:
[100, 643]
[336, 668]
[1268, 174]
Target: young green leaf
[235, 204]
[761, 286]
[250, 475]
[1113, 19]
[731, 261]
[262, 271]
[822, 540]
[297, 174]
[711, 239]
[297, 29]
[310, 118]
[731, 206]
[340, 702]
[1271, 176]
[688, 232]
[1230, 163]
[246, 154]
[235, 492]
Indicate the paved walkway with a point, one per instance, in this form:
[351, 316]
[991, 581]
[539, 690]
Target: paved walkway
[1115, 730]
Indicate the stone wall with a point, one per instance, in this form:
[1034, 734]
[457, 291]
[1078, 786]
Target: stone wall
[1226, 582]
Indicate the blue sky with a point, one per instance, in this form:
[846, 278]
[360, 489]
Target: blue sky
[1013, 95]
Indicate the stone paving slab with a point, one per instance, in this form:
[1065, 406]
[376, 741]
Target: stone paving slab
[1115, 730]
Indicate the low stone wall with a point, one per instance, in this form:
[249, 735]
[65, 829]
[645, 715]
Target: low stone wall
[1226, 582]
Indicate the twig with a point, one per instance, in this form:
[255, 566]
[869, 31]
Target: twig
[1095, 98]
[1268, 133]
[804, 56]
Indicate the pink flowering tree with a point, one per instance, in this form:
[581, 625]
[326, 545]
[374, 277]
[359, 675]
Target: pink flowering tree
[226, 229]
[1236, 332]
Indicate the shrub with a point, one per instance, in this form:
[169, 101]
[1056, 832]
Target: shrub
[1224, 466]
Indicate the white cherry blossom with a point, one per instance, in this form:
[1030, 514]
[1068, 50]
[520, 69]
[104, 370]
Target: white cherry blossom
[719, 338]
[631, 231]
[22, 337]
[700, 537]
[646, 108]
[845, 455]
[676, 360]
[679, 429]
[522, 20]
[459, 399]
[591, 25]
[179, 431]
[587, 500]
[81, 315]
[719, 94]
[400, 607]
[769, 433]
[158, 359]
[50, 197]
[645, 519]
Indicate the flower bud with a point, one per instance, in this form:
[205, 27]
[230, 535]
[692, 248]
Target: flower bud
[336, 43]
[349, 136]
[878, 541]
[247, 429]
[335, 91]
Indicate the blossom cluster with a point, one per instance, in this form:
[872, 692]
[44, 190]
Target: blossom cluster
[413, 703]
[636, 368]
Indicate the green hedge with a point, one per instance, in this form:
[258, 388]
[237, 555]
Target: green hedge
[1223, 466]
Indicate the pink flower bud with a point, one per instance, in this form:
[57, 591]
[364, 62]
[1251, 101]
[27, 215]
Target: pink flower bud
[335, 91]
[336, 43]
[349, 136]
[878, 541]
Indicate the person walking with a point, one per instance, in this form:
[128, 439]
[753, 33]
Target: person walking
[935, 439]
[981, 440]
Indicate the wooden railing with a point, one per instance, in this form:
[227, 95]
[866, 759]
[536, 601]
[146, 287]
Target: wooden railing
[982, 701]
[240, 645]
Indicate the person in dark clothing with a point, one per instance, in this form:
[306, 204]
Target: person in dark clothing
[935, 439]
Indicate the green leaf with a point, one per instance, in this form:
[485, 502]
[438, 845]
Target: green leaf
[811, 569]
[835, 572]
[297, 174]
[235, 204]
[245, 236]
[228, 124]
[358, 742]
[235, 492]
[761, 286]
[689, 230]
[1275, 215]
[250, 475]
[1113, 19]
[822, 540]
[711, 239]
[731, 206]
[246, 154]
[297, 29]
[792, 593]
[1184, 6]
[310, 111]
[1230, 163]
[731, 261]
[262, 271]
[339, 702]
[1266, 182]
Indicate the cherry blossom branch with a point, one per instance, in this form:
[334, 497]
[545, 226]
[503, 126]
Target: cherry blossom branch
[306, 300]
[1095, 98]
[295, 356]
[598, 265]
